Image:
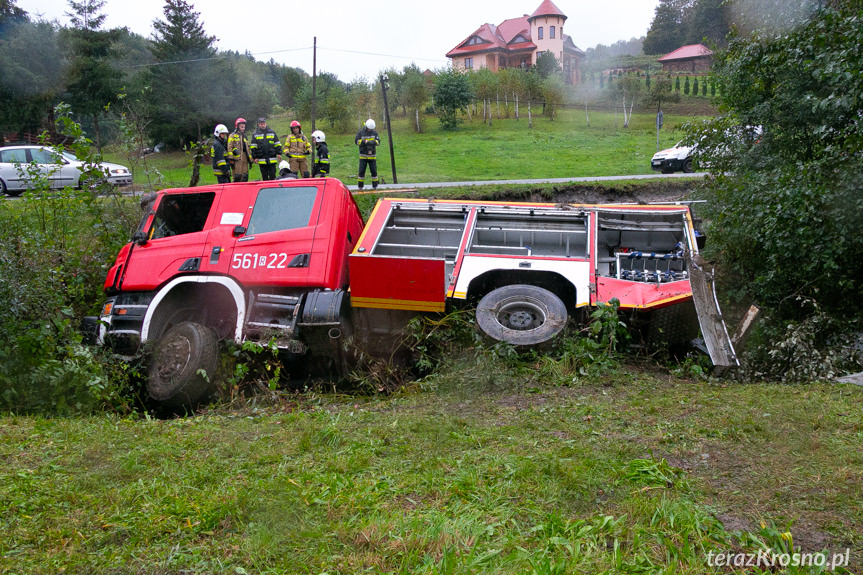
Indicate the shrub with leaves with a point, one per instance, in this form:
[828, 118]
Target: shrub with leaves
[54, 247]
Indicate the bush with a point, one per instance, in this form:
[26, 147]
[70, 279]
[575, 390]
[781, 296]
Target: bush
[54, 248]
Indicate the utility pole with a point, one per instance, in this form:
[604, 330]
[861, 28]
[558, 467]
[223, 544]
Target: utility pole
[314, 91]
[384, 79]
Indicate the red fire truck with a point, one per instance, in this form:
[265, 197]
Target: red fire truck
[270, 261]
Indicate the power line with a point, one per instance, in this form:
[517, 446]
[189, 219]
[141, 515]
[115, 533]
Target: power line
[287, 50]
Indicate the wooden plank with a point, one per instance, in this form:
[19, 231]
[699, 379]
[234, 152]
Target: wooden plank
[745, 325]
[710, 319]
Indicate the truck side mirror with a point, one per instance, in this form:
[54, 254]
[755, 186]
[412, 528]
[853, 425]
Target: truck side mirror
[239, 230]
[140, 238]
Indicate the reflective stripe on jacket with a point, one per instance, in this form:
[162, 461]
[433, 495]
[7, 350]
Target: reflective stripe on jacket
[239, 153]
[368, 141]
[265, 146]
[220, 161]
[298, 146]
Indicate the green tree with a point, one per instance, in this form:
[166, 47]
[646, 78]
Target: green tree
[546, 65]
[677, 84]
[185, 91]
[666, 32]
[786, 215]
[415, 95]
[484, 84]
[695, 87]
[292, 81]
[31, 75]
[10, 14]
[686, 86]
[554, 95]
[92, 82]
[707, 21]
[452, 94]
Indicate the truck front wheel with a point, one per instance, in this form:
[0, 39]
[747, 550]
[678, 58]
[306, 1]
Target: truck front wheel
[522, 315]
[185, 360]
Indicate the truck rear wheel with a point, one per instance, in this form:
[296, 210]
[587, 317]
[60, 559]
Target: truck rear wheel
[183, 356]
[522, 315]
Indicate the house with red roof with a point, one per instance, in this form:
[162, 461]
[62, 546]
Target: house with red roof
[517, 42]
[692, 58]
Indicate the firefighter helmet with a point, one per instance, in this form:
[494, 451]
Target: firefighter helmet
[239, 121]
[319, 136]
[370, 124]
[296, 124]
[220, 129]
[284, 165]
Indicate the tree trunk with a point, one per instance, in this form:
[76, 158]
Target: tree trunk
[197, 160]
[489, 113]
[96, 130]
[418, 120]
[586, 113]
[529, 117]
[516, 106]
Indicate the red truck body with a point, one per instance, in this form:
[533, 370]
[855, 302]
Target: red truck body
[269, 261]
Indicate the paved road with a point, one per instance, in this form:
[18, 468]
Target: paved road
[535, 181]
[385, 187]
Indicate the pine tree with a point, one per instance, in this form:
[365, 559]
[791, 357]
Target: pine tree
[695, 87]
[677, 84]
[91, 81]
[185, 86]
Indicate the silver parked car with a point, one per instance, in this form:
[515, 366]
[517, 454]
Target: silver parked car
[61, 168]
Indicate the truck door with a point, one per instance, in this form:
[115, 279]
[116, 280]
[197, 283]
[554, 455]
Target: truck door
[175, 240]
[276, 246]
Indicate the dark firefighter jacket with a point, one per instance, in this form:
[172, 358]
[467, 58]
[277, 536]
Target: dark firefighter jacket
[322, 163]
[265, 146]
[368, 141]
[218, 150]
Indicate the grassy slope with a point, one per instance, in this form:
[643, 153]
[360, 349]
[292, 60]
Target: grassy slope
[486, 468]
[565, 147]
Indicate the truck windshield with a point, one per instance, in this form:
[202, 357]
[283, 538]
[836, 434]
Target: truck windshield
[279, 209]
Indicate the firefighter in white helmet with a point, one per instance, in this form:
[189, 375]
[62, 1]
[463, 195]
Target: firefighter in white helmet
[322, 162]
[368, 141]
[219, 153]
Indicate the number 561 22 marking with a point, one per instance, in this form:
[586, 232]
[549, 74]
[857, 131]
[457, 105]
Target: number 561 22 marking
[255, 261]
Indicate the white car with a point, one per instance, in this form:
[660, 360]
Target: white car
[61, 168]
[678, 158]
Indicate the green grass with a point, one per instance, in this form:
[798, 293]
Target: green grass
[565, 147]
[485, 467]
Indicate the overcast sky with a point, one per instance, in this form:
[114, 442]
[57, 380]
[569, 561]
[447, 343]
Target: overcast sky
[358, 39]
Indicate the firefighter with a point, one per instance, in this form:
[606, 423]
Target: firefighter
[368, 141]
[219, 153]
[322, 163]
[298, 148]
[266, 150]
[239, 153]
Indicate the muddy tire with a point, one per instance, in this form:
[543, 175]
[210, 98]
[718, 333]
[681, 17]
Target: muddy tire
[174, 379]
[521, 315]
[687, 166]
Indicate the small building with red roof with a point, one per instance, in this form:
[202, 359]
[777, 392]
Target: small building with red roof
[517, 42]
[693, 58]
